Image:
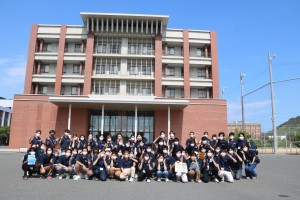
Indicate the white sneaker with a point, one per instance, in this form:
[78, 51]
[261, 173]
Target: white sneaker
[131, 179]
[222, 181]
[60, 177]
[86, 177]
[76, 177]
[67, 176]
[148, 180]
[216, 180]
[167, 180]
[199, 181]
[135, 176]
[158, 180]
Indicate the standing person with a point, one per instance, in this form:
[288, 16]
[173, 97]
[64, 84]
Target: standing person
[75, 142]
[110, 144]
[210, 167]
[101, 142]
[191, 147]
[90, 141]
[241, 142]
[145, 168]
[128, 167]
[100, 166]
[162, 169]
[250, 162]
[236, 167]
[222, 143]
[36, 139]
[82, 142]
[29, 168]
[194, 169]
[47, 163]
[175, 147]
[171, 140]
[51, 141]
[224, 166]
[159, 147]
[162, 137]
[192, 138]
[213, 141]
[180, 175]
[65, 141]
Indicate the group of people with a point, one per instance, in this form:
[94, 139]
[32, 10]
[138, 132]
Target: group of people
[77, 157]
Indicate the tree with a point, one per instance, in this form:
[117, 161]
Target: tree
[297, 139]
[4, 135]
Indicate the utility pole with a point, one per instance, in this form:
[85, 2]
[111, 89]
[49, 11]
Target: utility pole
[272, 102]
[242, 100]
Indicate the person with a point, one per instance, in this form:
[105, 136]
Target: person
[145, 167]
[116, 167]
[210, 168]
[29, 168]
[194, 169]
[159, 146]
[191, 147]
[161, 138]
[132, 142]
[82, 165]
[128, 167]
[51, 141]
[149, 151]
[63, 166]
[82, 142]
[236, 167]
[171, 139]
[222, 143]
[250, 162]
[232, 142]
[47, 163]
[65, 141]
[224, 166]
[109, 143]
[100, 166]
[179, 175]
[90, 141]
[192, 138]
[75, 142]
[36, 139]
[213, 141]
[162, 169]
[205, 143]
[101, 142]
[175, 147]
[240, 143]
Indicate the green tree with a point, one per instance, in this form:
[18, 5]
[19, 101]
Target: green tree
[4, 135]
[297, 139]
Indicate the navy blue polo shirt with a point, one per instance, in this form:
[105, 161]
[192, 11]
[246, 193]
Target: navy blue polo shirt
[65, 142]
[235, 166]
[118, 163]
[223, 144]
[51, 142]
[162, 167]
[36, 140]
[64, 160]
[83, 159]
[240, 144]
[146, 165]
[232, 144]
[45, 159]
[100, 163]
[82, 144]
[73, 159]
[127, 163]
[224, 162]
[101, 144]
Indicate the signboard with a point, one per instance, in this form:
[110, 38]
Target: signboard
[180, 167]
[31, 160]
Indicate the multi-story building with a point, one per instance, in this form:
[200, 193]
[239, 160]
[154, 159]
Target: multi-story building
[5, 112]
[119, 73]
[253, 128]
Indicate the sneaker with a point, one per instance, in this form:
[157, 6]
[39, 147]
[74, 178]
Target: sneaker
[49, 177]
[254, 177]
[67, 176]
[60, 177]
[25, 177]
[148, 180]
[222, 180]
[198, 181]
[86, 177]
[135, 176]
[248, 178]
[76, 177]
[167, 180]
[216, 180]
[158, 180]
[131, 179]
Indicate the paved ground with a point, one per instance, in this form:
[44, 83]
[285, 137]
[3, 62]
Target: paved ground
[278, 179]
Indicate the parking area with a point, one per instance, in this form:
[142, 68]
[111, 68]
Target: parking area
[278, 178]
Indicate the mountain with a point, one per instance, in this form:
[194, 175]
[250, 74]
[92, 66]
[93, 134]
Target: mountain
[292, 125]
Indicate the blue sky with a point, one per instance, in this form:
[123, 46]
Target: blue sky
[246, 31]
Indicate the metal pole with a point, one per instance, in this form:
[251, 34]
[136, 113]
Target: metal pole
[286, 144]
[290, 139]
[135, 122]
[102, 120]
[169, 126]
[273, 104]
[69, 116]
[265, 141]
[242, 100]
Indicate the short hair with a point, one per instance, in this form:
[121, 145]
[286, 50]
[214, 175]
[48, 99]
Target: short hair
[231, 133]
[52, 131]
[67, 131]
[221, 133]
[38, 131]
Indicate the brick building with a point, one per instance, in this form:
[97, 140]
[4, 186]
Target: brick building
[253, 128]
[119, 73]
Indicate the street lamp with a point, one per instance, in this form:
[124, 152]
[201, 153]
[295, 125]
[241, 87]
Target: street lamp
[242, 100]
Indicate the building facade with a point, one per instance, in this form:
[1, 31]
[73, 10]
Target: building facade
[5, 112]
[119, 73]
[253, 128]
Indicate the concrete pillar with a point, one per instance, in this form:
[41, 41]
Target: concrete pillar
[9, 118]
[39, 67]
[36, 88]
[69, 116]
[80, 69]
[206, 72]
[124, 46]
[41, 45]
[206, 51]
[82, 46]
[3, 118]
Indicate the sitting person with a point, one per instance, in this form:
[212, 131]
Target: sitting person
[128, 167]
[63, 166]
[47, 163]
[210, 167]
[194, 169]
[180, 175]
[162, 169]
[224, 166]
[29, 168]
[145, 168]
[82, 165]
[100, 166]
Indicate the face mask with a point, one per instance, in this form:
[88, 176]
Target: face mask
[68, 154]
[203, 150]
[102, 155]
[132, 139]
[37, 135]
[160, 143]
[214, 138]
[217, 150]
[114, 157]
[146, 158]
[192, 136]
[171, 136]
[127, 145]
[141, 144]
[165, 151]
[75, 153]
[81, 139]
[241, 138]
[178, 155]
[231, 137]
[109, 140]
[49, 152]
[245, 149]
[162, 136]
[96, 152]
[183, 155]
[56, 155]
[84, 153]
[160, 160]
[196, 153]
[42, 147]
[221, 138]
[63, 153]
[120, 143]
[209, 154]
[101, 138]
[206, 136]
[119, 154]
[91, 137]
[204, 142]
[32, 153]
[176, 143]
[192, 144]
[107, 153]
[231, 152]
[148, 150]
[126, 156]
[223, 154]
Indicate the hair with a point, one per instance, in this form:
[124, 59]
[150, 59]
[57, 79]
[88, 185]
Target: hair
[75, 148]
[84, 148]
[214, 135]
[204, 138]
[178, 151]
[229, 148]
[67, 131]
[205, 133]
[67, 150]
[192, 133]
[176, 139]
[162, 132]
[31, 149]
[165, 147]
[38, 131]
[126, 152]
[146, 154]
[52, 131]
[242, 134]
[82, 136]
[231, 133]
[49, 148]
[221, 133]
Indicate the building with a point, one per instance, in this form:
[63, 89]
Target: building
[119, 73]
[254, 128]
[5, 112]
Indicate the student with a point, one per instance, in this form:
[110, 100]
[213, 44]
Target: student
[63, 166]
[159, 146]
[110, 144]
[250, 163]
[101, 142]
[51, 141]
[36, 139]
[75, 142]
[161, 137]
[132, 142]
[232, 142]
[56, 156]
[175, 147]
[205, 143]
[180, 175]
[162, 169]
[213, 141]
[224, 166]
[82, 142]
[236, 167]
[145, 168]
[149, 151]
[73, 160]
[100, 166]
[171, 140]
[140, 148]
[47, 163]
[29, 169]
[241, 142]
[116, 166]
[82, 165]
[120, 144]
[210, 168]
[108, 159]
[191, 147]
[128, 167]
[65, 140]
[90, 141]
[201, 155]
[192, 138]
[127, 147]
[194, 169]
[222, 143]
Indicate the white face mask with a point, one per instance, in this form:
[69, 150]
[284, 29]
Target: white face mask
[245, 149]
[231, 152]
[107, 153]
[203, 150]
[49, 152]
[206, 136]
[160, 143]
[221, 137]
[42, 147]
[114, 157]
[209, 154]
[127, 145]
[162, 136]
[214, 138]
[223, 154]
[160, 160]
[109, 140]
[171, 136]
[101, 138]
[63, 153]
[231, 137]
[68, 154]
[32, 153]
[204, 142]
[81, 139]
[176, 143]
[183, 155]
[148, 150]
[119, 154]
[146, 158]
[84, 153]
[241, 138]
[126, 156]
[217, 150]
[192, 145]
[192, 136]
[102, 155]
[131, 155]
[178, 155]
[165, 151]
[141, 144]
[56, 155]
[37, 135]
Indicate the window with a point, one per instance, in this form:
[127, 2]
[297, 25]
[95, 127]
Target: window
[146, 91]
[74, 90]
[202, 93]
[113, 69]
[77, 48]
[45, 69]
[133, 91]
[44, 90]
[64, 69]
[146, 70]
[182, 72]
[114, 48]
[62, 90]
[171, 51]
[47, 47]
[133, 70]
[99, 90]
[199, 52]
[201, 73]
[146, 49]
[133, 49]
[112, 90]
[171, 93]
[102, 48]
[66, 47]
[100, 69]
[75, 69]
[170, 71]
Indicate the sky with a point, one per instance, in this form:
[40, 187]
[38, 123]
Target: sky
[246, 32]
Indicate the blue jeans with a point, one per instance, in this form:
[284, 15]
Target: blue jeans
[249, 170]
[163, 174]
[237, 174]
